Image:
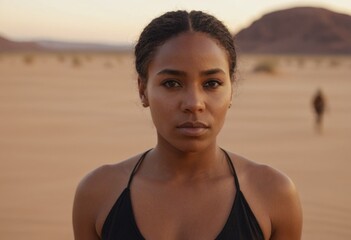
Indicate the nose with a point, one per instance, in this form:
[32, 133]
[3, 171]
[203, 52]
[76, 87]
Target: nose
[193, 100]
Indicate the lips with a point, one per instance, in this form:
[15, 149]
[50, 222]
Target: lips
[193, 129]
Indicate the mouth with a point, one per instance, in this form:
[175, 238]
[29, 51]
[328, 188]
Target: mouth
[193, 129]
[196, 124]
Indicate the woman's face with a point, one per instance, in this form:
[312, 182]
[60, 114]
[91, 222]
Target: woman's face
[188, 91]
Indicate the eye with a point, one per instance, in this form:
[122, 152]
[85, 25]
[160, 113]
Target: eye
[212, 84]
[171, 84]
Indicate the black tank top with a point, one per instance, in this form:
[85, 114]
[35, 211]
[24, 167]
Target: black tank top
[241, 224]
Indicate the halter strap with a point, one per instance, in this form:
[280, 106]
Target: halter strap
[142, 157]
[136, 167]
[231, 165]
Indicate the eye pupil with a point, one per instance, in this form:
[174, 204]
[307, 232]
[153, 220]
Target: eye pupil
[171, 84]
[212, 84]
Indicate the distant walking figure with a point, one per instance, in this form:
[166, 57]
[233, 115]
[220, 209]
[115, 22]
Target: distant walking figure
[319, 105]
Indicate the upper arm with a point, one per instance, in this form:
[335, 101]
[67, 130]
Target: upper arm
[95, 196]
[84, 212]
[286, 211]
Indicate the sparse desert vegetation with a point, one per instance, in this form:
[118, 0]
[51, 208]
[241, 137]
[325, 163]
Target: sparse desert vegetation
[61, 58]
[266, 66]
[28, 59]
[76, 61]
[334, 62]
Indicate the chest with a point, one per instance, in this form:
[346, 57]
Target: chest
[199, 212]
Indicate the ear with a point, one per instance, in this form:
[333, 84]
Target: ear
[142, 92]
[231, 95]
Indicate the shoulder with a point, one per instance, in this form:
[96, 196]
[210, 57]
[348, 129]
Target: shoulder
[263, 178]
[96, 194]
[90, 184]
[95, 185]
[274, 182]
[274, 194]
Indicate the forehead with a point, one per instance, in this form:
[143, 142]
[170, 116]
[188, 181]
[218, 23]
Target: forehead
[190, 49]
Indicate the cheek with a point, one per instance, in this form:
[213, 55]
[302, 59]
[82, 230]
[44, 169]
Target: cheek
[219, 115]
[221, 101]
[159, 101]
[219, 108]
[161, 108]
[220, 112]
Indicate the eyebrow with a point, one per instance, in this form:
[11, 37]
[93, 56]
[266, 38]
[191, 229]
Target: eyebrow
[183, 73]
[212, 71]
[171, 72]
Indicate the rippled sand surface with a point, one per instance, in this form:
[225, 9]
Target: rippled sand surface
[62, 115]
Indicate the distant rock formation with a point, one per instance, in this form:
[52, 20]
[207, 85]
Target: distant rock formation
[306, 30]
[8, 45]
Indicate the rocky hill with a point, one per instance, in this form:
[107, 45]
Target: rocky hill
[297, 30]
[8, 45]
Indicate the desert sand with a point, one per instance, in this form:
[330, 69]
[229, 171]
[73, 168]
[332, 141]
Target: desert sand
[62, 115]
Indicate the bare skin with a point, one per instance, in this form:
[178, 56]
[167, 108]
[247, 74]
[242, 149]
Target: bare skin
[184, 186]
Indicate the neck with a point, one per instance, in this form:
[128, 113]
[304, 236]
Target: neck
[174, 164]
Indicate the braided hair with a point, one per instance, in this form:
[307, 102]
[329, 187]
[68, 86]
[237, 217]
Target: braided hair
[173, 23]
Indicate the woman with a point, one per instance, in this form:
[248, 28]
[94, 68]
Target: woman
[186, 187]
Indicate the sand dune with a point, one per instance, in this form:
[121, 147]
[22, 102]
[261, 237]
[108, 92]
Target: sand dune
[62, 115]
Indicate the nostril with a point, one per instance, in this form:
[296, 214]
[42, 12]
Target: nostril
[194, 107]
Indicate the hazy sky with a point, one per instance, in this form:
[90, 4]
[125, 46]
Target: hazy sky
[117, 21]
